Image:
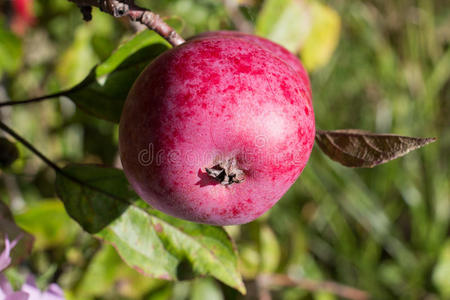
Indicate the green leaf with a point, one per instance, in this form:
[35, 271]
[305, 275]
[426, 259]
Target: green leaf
[361, 149]
[8, 152]
[96, 204]
[138, 42]
[104, 91]
[157, 245]
[8, 227]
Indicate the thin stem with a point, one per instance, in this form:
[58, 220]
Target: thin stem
[52, 165]
[30, 147]
[33, 100]
[122, 8]
[335, 288]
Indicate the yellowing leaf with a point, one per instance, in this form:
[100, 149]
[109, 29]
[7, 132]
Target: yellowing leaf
[306, 27]
[286, 22]
[323, 37]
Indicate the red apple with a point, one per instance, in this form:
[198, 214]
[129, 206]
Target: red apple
[216, 130]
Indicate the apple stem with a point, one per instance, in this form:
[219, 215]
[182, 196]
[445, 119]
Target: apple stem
[226, 172]
[121, 8]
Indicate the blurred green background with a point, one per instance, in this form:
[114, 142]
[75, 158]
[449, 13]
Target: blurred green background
[381, 65]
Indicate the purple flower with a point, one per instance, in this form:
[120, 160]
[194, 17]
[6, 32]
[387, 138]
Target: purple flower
[5, 258]
[54, 292]
[7, 293]
[29, 290]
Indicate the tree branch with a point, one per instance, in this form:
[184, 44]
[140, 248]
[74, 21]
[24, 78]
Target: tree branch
[54, 166]
[120, 8]
[37, 99]
[335, 288]
[30, 147]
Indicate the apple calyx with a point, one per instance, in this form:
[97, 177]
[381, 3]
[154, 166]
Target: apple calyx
[226, 172]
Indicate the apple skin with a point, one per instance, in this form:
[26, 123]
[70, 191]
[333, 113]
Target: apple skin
[278, 50]
[208, 101]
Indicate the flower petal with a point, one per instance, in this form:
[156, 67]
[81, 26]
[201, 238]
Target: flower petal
[17, 296]
[5, 258]
[54, 292]
[5, 287]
